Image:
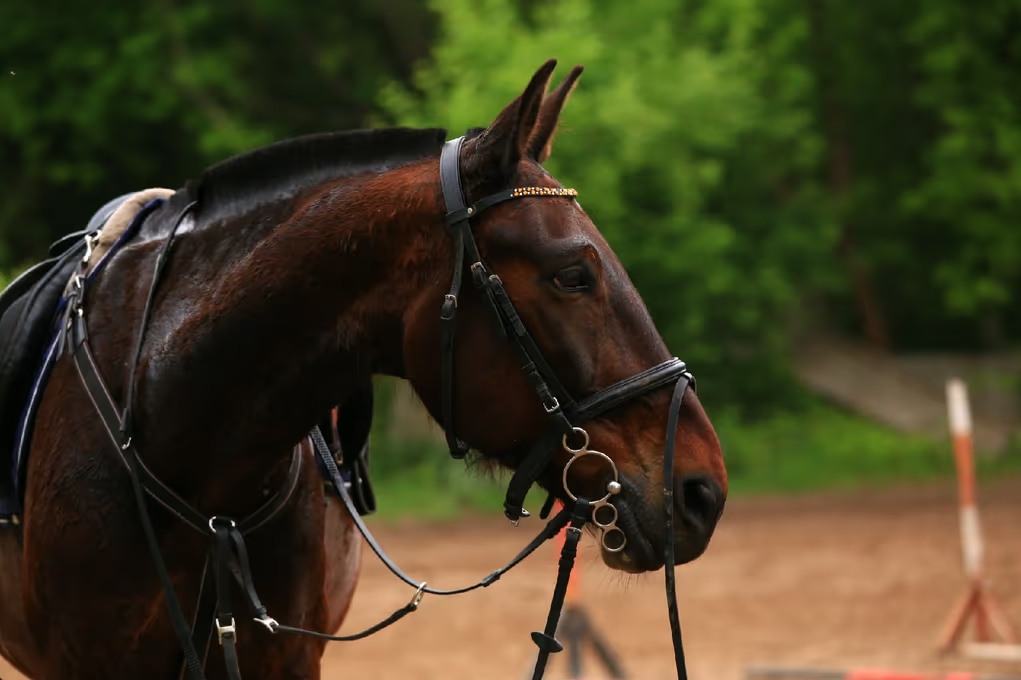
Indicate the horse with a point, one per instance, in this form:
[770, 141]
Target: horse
[270, 289]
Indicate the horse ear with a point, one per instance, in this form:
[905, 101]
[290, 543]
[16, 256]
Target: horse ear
[540, 142]
[503, 143]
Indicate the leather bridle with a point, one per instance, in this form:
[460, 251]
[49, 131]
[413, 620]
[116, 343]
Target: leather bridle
[228, 559]
[563, 411]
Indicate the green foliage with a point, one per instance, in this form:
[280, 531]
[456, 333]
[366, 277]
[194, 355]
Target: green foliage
[821, 447]
[682, 106]
[919, 105]
[415, 475]
[818, 448]
[972, 184]
[419, 479]
[100, 99]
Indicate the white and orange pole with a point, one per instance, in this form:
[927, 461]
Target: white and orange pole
[959, 413]
[976, 599]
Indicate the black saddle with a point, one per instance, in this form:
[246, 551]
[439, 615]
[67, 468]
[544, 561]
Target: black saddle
[27, 317]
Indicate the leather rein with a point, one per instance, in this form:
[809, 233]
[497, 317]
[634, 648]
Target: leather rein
[227, 558]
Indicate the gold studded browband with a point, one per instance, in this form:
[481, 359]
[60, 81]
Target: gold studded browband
[543, 191]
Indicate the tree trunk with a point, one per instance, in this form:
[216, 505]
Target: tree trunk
[834, 118]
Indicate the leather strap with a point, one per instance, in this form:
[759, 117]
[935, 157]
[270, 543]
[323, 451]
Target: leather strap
[202, 620]
[545, 641]
[551, 529]
[668, 525]
[450, 183]
[618, 393]
[75, 337]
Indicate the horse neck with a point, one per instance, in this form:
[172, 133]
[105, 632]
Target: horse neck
[279, 332]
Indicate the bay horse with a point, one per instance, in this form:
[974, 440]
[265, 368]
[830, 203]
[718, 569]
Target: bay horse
[272, 288]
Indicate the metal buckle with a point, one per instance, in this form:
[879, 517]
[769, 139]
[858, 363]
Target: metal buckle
[229, 629]
[269, 622]
[419, 594]
[554, 408]
[90, 243]
[478, 271]
[524, 514]
[613, 488]
[216, 517]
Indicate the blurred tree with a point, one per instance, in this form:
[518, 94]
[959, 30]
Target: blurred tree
[690, 139]
[105, 97]
[921, 110]
[970, 188]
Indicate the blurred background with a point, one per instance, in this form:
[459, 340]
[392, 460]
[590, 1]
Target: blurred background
[818, 200]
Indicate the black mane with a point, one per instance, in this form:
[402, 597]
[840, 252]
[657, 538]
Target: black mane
[280, 169]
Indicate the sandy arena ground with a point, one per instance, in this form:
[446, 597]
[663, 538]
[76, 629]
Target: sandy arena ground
[837, 580]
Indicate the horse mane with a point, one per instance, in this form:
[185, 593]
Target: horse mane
[281, 169]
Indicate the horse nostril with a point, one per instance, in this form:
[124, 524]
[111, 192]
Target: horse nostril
[702, 500]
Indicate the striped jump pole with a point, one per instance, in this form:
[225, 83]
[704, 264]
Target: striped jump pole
[976, 603]
[794, 673]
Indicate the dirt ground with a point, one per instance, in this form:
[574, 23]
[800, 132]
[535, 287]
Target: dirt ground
[833, 581]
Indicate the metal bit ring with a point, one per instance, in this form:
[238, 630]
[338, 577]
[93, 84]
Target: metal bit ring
[597, 508]
[611, 531]
[608, 528]
[604, 499]
[584, 447]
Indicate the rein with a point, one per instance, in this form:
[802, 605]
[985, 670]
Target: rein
[228, 555]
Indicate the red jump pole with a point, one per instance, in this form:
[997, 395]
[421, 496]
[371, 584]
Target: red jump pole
[780, 673]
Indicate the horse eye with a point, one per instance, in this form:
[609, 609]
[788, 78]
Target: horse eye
[571, 279]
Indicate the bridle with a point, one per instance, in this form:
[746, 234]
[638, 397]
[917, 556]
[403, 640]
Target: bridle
[564, 412]
[228, 559]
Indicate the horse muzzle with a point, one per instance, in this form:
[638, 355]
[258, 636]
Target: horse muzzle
[698, 506]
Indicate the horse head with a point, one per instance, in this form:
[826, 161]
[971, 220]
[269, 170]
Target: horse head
[549, 353]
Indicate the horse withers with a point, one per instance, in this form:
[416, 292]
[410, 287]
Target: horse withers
[247, 304]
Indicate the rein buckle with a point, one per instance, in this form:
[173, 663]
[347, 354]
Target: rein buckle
[229, 629]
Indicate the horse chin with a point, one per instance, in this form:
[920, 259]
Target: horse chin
[644, 550]
[640, 554]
